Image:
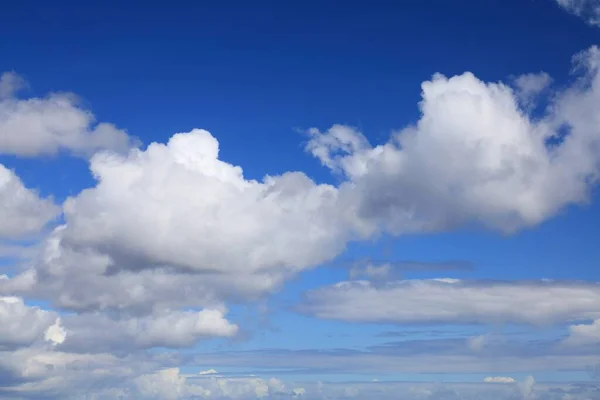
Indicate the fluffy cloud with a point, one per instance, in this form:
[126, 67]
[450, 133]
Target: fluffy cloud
[474, 157]
[42, 372]
[205, 215]
[584, 334]
[175, 329]
[43, 126]
[22, 211]
[21, 325]
[455, 301]
[588, 10]
[215, 235]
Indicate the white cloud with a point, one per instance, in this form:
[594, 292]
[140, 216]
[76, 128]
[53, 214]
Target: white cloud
[42, 372]
[22, 211]
[175, 329]
[208, 372]
[474, 157]
[499, 379]
[56, 333]
[584, 334]
[215, 235]
[442, 301]
[43, 126]
[588, 10]
[206, 215]
[21, 325]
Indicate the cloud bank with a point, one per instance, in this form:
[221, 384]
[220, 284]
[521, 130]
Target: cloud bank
[151, 255]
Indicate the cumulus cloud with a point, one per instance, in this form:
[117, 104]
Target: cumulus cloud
[174, 329]
[584, 334]
[455, 301]
[474, 157]
[21, 325]
[215, 235]
[43, 372]
[588, 10]
[43, 126]
[22, 211]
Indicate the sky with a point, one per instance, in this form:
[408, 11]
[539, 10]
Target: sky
[300, 200]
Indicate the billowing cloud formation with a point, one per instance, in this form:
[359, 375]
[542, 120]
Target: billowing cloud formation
[588, 10]
[454, 301]
[215, 235]
[44, 126]
[22, 211]
[473, 157]
[175, 329]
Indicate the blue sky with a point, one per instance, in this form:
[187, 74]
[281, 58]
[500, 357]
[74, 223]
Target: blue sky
[235, 200]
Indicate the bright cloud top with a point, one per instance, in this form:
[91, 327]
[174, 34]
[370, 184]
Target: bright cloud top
[473, 157]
